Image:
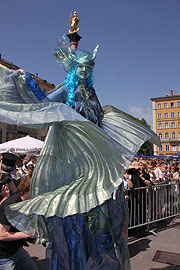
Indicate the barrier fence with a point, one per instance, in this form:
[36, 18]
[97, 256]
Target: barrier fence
[154, 203]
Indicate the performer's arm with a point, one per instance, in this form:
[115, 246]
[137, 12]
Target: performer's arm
[57, 95]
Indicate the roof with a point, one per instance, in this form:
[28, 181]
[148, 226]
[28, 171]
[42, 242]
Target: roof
[166, 98]
[42, 83]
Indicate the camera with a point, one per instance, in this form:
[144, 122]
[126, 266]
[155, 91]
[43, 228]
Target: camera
[5, 179]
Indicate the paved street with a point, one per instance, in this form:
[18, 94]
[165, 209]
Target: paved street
[141, 250]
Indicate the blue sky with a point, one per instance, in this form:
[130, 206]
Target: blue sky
[139, 54]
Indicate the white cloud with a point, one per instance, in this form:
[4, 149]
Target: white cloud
[141, 112]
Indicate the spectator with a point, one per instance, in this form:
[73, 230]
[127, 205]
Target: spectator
[12, 254]
[140, 177]
[127, 185]
[174, 175]
[138, 207]
[150, 169]
[7, 166]
[32, 160]
[161, 173]
[7, 187]
[4, 192]
[30, 169]
[20, 172]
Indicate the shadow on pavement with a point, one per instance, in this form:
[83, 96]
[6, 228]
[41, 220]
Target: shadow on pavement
[138, 246]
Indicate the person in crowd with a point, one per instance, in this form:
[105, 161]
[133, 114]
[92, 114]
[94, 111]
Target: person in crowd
[8, 183]
[139, 176]
[30, 169]
[174, 175]
[20, 172]
[138, 207]
[32, 161]
[150, 169]
[12, 254]
[127, 185]
[4, 192]
[161, 173]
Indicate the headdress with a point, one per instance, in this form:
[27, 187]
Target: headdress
[69, 59]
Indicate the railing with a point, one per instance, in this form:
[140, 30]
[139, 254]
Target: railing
[154, 203]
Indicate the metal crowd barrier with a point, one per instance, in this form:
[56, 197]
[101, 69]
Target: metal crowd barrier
[154, 203]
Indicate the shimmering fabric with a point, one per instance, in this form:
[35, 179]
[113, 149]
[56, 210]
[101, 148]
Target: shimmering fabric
[95, 233]
[37, 115]
[81, 165]
[128, 133]
[76, 154]
[13, 87]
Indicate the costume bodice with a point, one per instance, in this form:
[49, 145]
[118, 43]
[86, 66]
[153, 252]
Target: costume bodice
[87, 104]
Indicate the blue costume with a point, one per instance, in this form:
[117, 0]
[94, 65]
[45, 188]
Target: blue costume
[77, 200]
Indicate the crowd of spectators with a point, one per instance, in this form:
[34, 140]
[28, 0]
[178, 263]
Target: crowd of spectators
[150, 189]
[15, 177]
[12, 170]
[141, 174]
[145, 172]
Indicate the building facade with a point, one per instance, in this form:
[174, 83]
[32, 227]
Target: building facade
[11, 132]
[166, 123]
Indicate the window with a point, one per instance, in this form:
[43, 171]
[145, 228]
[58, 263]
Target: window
[160, 136]
[160, 148]
[178, 103]
[167, 147]
[159, 115]
[172, 114]
[173, 124]
[166, 124]
[178, 124]
[159, 125]
[178, 114]
[173, 135]
[173, 147]
[165, 105]
[179, 136]
[159, 106]
[172, 104]
[166, 135]
[179, 147]
[165, 115]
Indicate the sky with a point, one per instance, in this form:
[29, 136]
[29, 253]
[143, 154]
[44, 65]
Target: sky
[139, 53]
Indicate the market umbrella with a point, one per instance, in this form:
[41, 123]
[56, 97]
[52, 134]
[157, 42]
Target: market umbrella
[22, 145]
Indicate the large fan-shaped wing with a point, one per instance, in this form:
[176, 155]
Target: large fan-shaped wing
[14, 87]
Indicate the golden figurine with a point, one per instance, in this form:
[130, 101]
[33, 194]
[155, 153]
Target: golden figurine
[74, 23]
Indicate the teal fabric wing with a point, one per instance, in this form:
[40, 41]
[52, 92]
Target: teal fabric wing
[37, 115]
[13, 87]
[80, 165]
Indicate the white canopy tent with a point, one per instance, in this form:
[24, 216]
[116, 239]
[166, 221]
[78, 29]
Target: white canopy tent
[22, 145]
